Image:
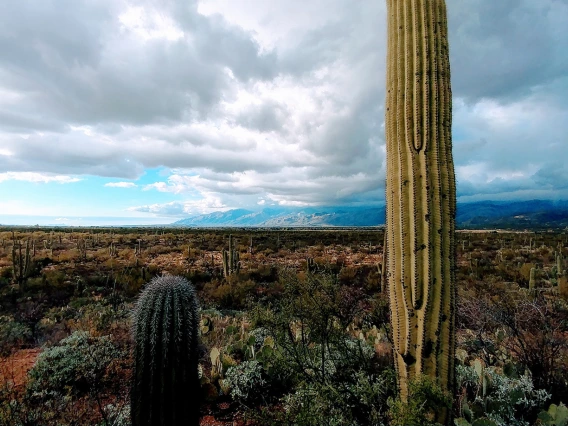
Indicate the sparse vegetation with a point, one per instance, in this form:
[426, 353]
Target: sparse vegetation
[298, 334]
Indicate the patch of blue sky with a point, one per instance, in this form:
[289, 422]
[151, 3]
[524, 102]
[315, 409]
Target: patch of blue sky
[87, 197]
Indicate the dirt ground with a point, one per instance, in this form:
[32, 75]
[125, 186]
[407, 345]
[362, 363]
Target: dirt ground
[13, 369]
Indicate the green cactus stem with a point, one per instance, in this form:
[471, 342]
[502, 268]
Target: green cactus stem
[231, 264]
[310, 265]
[82, 248]
[385, 263]
[420, 194]
[532, 280]
[21, 263]
[165, 384]
[112, 252]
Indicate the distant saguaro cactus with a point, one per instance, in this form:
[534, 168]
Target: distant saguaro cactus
[532, 280]
[420, 193]
[21, 264]
[231, 264]
[165, 388]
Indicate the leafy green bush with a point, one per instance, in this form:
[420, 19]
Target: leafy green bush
[360, 401]
[245, 381]
[76, 366]
[502, 399]
[12, 334]
[320, 370]
[116, 416]
[425, 398]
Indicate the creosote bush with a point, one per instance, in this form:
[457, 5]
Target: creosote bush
[320, 369]
[75, 366]
[425, 400]
[245, 381]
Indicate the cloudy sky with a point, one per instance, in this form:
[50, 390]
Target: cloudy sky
[152, 110]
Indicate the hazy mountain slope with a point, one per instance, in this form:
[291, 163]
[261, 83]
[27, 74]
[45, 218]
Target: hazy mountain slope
[483, 214]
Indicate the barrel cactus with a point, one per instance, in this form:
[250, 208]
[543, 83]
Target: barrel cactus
[165, 388]
[420, 193]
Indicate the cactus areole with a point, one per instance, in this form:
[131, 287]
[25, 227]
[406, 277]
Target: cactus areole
[165, 387]
[420, 193]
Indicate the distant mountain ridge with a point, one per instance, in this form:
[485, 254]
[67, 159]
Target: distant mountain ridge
[482, 214]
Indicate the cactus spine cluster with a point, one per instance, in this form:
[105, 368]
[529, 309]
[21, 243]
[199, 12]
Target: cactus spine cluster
[165, 384]
[420, 193]
[231, 263]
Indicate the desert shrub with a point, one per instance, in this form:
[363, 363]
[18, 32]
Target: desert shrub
[264, 273]
[6, 273]
[535, 334]
[6, 276]
[245, 381]
[70, 384]
[13, 334]
[55, 278]
[504, 399]
[314, 363]
[116, 415]
[231, 293]
[348, 274]
[425, 399]
[311, 403]
[76, 366]
[82, 314]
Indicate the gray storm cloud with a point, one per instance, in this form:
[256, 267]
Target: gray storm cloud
[276, 100]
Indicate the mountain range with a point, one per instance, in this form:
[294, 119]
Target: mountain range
[534, 214]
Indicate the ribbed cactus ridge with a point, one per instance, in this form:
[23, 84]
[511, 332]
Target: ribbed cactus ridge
[165, 388]
[420, 192]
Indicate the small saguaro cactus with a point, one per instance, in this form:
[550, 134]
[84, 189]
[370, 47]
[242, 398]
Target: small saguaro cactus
[112, 252]
[310, 265]
[21, 263]
[532, 280]
[165, 386]
[231, 264]
[82, 248]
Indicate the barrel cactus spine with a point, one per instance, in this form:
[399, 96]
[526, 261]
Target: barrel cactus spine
[420, 194]
[165, 387]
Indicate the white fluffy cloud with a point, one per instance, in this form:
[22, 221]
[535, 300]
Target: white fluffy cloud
[37, 177]
[121, 185]
[270, 102]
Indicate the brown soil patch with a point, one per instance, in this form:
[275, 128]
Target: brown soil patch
[14, 369]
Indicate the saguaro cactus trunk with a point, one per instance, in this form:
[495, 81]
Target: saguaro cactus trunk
[420, 192]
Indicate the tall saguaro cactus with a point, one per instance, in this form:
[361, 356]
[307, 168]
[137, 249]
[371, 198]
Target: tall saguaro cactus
[420, 192]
